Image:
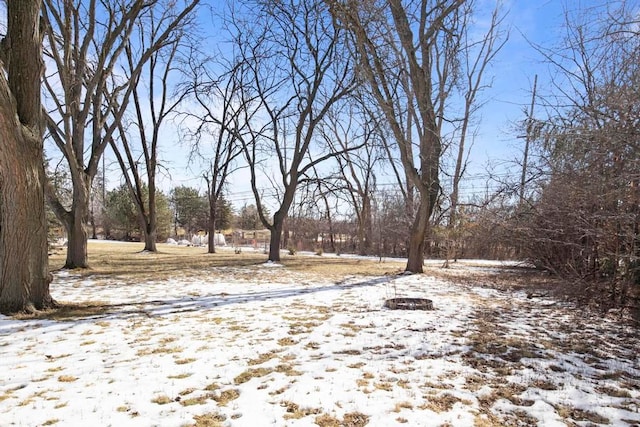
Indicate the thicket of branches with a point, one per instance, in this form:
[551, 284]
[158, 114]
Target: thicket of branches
[582, 218]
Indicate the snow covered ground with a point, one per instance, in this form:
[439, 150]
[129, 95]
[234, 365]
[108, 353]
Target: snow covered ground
[262, 346]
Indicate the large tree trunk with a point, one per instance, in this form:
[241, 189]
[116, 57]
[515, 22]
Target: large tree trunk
[276, 236]
[419, 230]
[24, 276]
[24, 280]
[75, 226]
[150, 237]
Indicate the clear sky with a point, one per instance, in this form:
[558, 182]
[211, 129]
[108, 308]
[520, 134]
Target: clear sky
[496, 144]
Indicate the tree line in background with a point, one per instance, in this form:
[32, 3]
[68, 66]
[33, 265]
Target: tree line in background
[320, 101]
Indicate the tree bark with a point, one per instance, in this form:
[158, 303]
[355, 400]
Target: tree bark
[24, 276]
[419, 229]
[75, 226]
[276, 235]
[212, 225]
[151, 217]
[150, 237]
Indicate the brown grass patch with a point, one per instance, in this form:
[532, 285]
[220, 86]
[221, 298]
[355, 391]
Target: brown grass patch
[349, 352]
[212, 419]
[509, 391]
[402, 405]
[227, 396]
[198, 400]
[187, 391]
[67, 378]
[180, 376]
[68, 312]
[325, 420]
[442, 403]
[576, 414]
[287, 341]
[262, 358]
[163, 399]
[355, 419]
[251, 373]
[294, 411]
[386, 386]
[613, 391]
[159, 350]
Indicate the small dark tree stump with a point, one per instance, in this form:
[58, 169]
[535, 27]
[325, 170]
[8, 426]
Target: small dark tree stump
[409, 304]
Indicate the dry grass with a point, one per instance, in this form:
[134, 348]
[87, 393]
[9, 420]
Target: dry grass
[294, 411]
[66, 312]
[576, 414]
[128, 263]
[212, 419]
[198, 400]
[402, 405]
[251, 373]
[163, 399]
[227, 396]
[352, 419]
[180, 376]
[613, 391]
[262, 358]
[443, 403]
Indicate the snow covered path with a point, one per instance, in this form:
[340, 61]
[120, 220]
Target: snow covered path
[266, 346]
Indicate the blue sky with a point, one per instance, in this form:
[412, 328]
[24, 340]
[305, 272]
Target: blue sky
[513, 72]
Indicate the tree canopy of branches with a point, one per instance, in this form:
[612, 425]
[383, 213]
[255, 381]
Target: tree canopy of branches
[295, 70]
[153, 104]
[217, 114]
[85, 41]
[24, 275]
[583, 219]
[395, 42]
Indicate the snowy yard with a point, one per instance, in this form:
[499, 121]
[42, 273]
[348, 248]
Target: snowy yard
[264, 345]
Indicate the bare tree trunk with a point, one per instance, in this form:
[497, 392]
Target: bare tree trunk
[24, 281]
[419, 230]
[150, 237]
[24, 276]
[276, 235]
[364, 225]
[212, 224]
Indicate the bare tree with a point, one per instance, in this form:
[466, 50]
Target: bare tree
[24, 275]
[298, 71]
[461, 66]
[581, 219]
[216, 135]
[85, 40]
[396, 41]
[476, 55]
[153, 104]
[356, 168]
